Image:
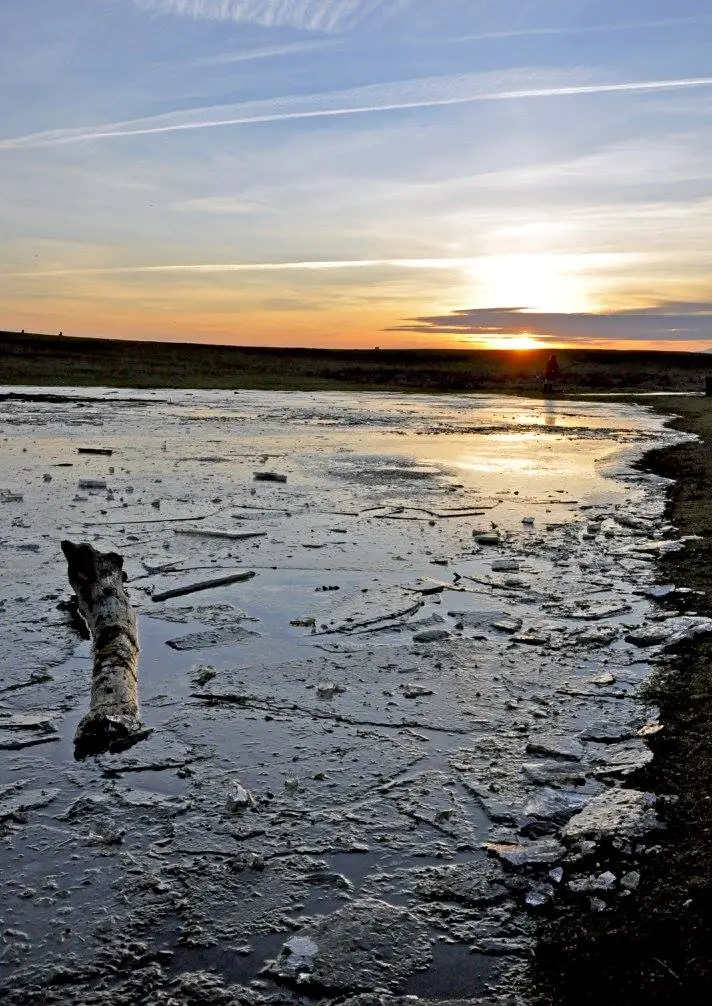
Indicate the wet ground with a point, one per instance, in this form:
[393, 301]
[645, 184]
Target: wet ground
[374, 764]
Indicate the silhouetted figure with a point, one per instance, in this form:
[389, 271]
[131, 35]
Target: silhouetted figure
[551, 374]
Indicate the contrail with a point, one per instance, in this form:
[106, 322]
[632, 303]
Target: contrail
[424, 93]
[222, 267]
[267, 52]
[591, 29]
[296, 48]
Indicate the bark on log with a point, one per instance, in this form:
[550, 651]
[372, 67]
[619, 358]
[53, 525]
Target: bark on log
[113, 722]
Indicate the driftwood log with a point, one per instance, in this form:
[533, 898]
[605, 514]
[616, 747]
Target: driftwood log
[113, 722]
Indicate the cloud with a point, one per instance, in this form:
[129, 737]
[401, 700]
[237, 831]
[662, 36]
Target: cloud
[224, 267]
[591, 29]
[335, 16]
[675, 321]
[328, 16]
[428, 92]
[676, 157]
[265, 52]
[221, 206]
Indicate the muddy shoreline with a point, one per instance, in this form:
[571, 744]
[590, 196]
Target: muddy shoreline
[656, 947]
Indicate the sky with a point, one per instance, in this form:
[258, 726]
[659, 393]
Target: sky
[358, 173]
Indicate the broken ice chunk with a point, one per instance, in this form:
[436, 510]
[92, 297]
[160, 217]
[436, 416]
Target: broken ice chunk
[328, 689]
[411, 691]
[546, 850]
[239, 799]
[431, 636]
[505, 566]
[626, 813]
[556, 747]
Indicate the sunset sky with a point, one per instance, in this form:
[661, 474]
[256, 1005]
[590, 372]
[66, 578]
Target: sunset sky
[346, 173]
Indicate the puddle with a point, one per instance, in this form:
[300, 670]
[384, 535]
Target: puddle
[240, 964]
[454, 972]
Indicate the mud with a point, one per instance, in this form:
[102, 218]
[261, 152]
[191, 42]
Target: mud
[375, 763]
[653, 945]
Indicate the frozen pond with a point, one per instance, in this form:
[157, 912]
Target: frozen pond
[374, 763]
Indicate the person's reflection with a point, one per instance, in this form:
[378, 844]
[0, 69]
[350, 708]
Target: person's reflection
[549, 412]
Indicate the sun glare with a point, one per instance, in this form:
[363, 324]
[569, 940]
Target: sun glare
[514, 340]
[535, 282]
[521, 341]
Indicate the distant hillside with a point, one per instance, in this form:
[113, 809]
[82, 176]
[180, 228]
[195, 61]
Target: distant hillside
[61, 360]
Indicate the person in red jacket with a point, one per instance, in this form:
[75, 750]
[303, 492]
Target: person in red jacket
[551, 373]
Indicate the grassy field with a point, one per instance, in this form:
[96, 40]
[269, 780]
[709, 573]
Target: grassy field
[57, 360]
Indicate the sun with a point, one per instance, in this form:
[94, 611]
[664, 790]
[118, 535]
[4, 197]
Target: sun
[523, 340]
[520, 341]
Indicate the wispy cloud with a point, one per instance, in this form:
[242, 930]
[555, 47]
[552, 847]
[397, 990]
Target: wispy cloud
[221, 206]
[295, 48]
[429, 92]
[579, 29]
[669, 322]
[225, 267]
[675, 157]
[328, 16]
[334, 16]
[264, 52]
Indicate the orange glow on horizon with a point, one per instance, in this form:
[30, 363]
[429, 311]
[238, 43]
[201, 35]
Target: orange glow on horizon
[522, 342]
[310, 311]
[336, 330]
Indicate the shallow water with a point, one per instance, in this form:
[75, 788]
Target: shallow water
[372, 755]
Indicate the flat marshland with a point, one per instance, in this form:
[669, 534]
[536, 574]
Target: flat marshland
[56, 360]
